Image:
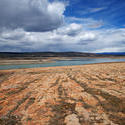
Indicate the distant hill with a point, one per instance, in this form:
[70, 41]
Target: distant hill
[31, 55]
[45, 54]
[113, 53]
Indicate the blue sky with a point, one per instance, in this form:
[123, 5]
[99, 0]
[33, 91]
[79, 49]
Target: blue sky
[111, 12]
[62, 25]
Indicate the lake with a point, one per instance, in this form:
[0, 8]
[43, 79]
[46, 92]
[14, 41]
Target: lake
[80, 61]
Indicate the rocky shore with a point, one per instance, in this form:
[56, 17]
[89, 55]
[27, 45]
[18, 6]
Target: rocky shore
[71, 95]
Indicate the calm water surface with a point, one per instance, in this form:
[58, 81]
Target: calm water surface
[63, 63]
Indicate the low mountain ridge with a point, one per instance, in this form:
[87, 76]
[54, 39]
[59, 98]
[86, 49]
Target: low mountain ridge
[55, 54]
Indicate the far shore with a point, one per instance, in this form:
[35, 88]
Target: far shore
[17, 61]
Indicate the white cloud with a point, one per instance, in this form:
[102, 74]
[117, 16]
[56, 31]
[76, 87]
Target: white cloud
[86, 22]
[72, 37]
[23, 24]
[111, 49]
[93, 10]
[90, 10]
[71, 29]
[31, 15]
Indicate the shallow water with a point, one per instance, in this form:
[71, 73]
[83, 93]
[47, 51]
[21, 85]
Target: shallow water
[63, 63]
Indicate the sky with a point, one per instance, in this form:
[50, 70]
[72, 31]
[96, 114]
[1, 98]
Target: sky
[62, 25]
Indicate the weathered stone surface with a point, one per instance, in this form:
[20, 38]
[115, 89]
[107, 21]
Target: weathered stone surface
[72, 120]
[72, 95]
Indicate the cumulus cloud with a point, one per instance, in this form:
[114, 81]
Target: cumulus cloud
[109, 40]
[100, 40]
[23, 24]
[71, 29]
[31, 15]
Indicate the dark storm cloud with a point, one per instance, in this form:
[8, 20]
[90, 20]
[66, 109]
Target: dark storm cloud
[31, 15]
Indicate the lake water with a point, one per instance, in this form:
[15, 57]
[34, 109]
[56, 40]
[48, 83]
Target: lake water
[80, 61]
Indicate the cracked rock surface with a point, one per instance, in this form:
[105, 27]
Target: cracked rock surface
[70, 95]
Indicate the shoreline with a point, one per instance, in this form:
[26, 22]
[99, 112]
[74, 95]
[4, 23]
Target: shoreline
[60, 67]
[47, 60]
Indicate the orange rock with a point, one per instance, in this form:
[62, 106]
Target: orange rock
[71, 95]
